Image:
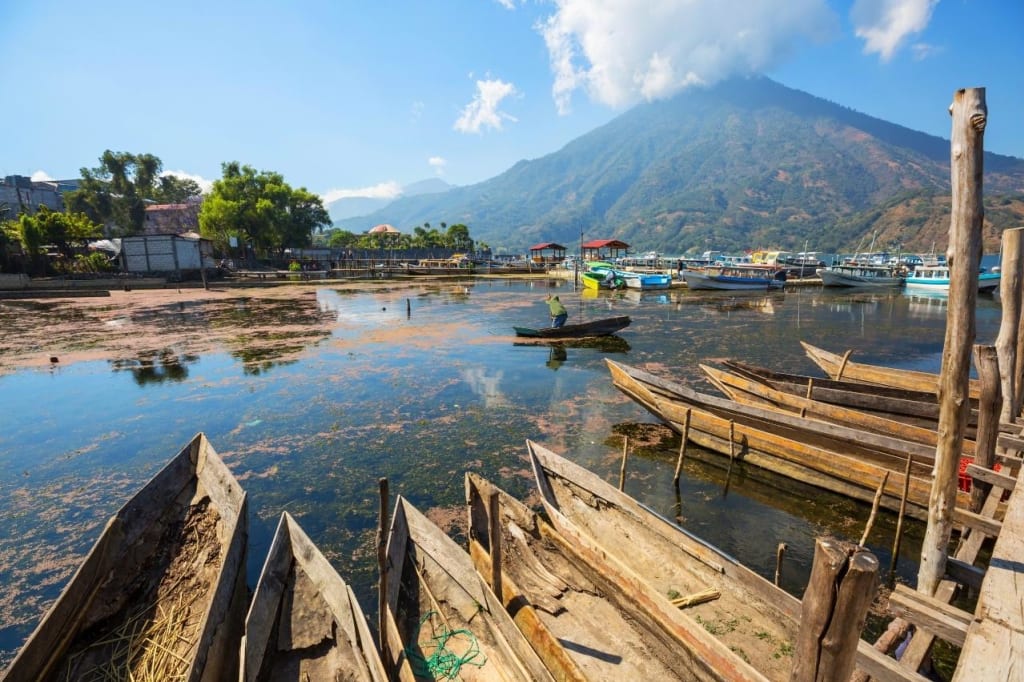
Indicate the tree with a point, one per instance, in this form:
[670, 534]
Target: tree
[114, 193]
[457, 237]
[261, 209]
[49, 228]
[172, 189]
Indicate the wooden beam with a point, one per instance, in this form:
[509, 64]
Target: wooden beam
[990, 402]
[882, 668]
[1011, 269]
[934, 615]
[993, 477]
[965, 573]
[977, 522]
[1015, 443]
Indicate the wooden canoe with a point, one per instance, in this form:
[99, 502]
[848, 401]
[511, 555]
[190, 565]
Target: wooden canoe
[439, 610]
[304, 622]
[671, 560]
[166, 574]
[666, 555]
[913, 407]
[611, 626]
[841, 367]
[748, 392]
[856, 476]
[603, 327]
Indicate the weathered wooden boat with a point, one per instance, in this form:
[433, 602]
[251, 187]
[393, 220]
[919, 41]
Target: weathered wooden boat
[841, 367]
[304, 622]
[591, 617]
[602, 279]
[442, 619]
[936, 278]
[747, 277]
[672, 561]
[161, 591]
[603, 327]
[666, 556]
[912, 407]
[850, 462]
[749, 392]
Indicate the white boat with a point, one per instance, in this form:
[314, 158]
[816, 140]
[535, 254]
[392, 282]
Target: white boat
[936, 278]
[736, 277]
[860, 275]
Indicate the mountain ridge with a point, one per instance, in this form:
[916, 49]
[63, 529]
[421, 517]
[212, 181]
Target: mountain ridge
[743, 164]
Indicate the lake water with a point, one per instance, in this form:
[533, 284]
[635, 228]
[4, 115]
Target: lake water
[420, 383]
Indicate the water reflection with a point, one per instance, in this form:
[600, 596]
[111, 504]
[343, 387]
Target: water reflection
[157, 366]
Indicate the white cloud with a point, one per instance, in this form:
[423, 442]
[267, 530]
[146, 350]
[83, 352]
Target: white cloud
[922, 51]
[385, 190]
[507, 4]
[204, 184]
[619, 52]
[437, 163]
[483, 111]
[41, 176]
[417, 110]
[885, 25]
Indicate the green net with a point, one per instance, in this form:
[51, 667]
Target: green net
[451, 650]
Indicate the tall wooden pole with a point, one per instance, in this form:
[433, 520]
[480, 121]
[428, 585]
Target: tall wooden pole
[963, 255]
[989, 405]
[1010, 340]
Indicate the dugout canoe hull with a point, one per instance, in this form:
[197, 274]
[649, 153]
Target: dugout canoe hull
[643, 539]
[841, 367]
[134, 543]
[304, 622]
[431, 583]
[857, 476]
[747, 392]
[668, 558]
[612, 624]
[602, 327]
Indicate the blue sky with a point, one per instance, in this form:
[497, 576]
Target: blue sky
[359, 98]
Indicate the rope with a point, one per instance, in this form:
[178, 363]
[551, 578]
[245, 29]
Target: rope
[443, 663]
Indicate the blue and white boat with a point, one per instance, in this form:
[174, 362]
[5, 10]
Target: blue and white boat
[936, 278]
[645, 281]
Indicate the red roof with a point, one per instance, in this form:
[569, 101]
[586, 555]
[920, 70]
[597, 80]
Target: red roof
[547, 245]
[606, 243]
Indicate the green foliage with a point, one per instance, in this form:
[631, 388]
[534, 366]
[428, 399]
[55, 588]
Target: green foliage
[114, 193]
[261, 209]
[36, 231]
[172, 189]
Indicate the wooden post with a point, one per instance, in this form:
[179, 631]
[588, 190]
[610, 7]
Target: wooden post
[682, 448]
[899, 518]
[964, 254]
[990, 404]
[408, 309]
[835, 606]
[494, 535]
[780, 552]
[622, 469]
[1011, 269]
[382, 569]
[732, 456]
[874, 509]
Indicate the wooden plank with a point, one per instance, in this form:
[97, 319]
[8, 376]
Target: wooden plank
[882, 668]
[991, 652]
[994, 477]
[1015, 443]
[977, 522]
[934, 615]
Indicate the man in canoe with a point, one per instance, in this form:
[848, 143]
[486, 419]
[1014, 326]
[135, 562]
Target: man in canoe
[558, 312]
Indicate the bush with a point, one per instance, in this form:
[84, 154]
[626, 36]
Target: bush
[294, 266]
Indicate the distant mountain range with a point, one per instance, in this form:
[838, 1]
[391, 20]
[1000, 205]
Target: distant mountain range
[351, 207]
[748, 163]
